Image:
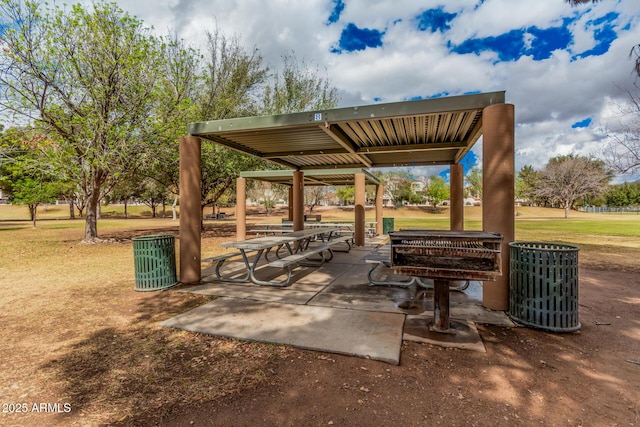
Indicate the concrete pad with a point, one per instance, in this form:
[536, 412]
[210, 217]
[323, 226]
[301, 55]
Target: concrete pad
[352, 332]
[354, 256]
[354, 302]
[466, 334]
[256, 293]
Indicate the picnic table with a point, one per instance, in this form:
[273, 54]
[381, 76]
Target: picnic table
[287, 227]
[298, 250]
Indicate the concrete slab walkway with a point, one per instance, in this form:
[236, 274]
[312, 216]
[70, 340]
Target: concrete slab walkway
[334, 309]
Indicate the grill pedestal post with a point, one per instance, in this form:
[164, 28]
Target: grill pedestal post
[441, 307]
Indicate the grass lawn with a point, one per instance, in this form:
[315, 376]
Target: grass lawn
[75, 331]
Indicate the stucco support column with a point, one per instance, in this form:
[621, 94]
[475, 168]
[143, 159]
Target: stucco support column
[456, 190]
[498, 193]
[290, 204]
[241, 208]
[190, 211]
[379, 208]
[298, 200]
[359, 213]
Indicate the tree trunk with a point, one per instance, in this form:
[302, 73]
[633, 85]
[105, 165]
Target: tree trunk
[32, 213]
[173, 208]
[566, 211]
[91, 221]
[126, 199]
[72, 212]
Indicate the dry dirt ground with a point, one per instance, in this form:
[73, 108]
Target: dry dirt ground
[526, 377]
[119, 374]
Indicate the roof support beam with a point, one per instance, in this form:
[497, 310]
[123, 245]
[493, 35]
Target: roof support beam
[434, 146]
[466, 146]
[339, 137]
[278, 154]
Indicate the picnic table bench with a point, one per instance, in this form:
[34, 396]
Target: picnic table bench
[297, 245]
[381, 257]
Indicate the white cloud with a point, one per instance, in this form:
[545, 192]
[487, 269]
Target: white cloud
[549, 95]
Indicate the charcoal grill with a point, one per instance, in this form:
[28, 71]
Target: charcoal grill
[444, 255]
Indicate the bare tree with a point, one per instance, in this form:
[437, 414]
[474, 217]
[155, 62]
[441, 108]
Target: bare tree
[568, 178]
[622, 153]
[314, 195]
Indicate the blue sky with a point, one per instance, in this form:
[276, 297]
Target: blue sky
[566, 69]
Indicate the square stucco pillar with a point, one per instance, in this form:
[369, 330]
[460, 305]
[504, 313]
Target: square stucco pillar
[190, 211]
[241, 208]
[456, 190]
[359, 190]
[379, 208]
[498, 178]
[298, 200]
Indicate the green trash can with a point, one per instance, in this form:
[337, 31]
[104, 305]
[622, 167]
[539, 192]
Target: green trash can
[155, 262]
[543, 285]
[387, 225]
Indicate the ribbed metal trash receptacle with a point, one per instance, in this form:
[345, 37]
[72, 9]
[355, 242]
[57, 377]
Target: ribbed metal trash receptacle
[387, 225]
[155, 262]
[543, 283]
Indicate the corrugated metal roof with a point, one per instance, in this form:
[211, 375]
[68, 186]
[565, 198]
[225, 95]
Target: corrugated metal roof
[435, 131]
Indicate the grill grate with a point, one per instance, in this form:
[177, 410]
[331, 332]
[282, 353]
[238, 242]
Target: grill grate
[453, 255]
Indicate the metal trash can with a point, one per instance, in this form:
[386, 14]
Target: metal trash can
[387, 225]
[155, 262]
[543, 285]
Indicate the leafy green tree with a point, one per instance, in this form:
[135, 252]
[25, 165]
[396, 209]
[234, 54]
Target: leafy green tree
[229, 85]
[437, 191]
[89, 78]
[152, 194]
[178, 85]
[565, 179]
[298, 87]
[526, 183]
[627, 194]
[34, 191]
[397, 185]
[346, 194]
[23, 175]
[474, 182]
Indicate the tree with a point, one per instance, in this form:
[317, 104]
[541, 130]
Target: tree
[627, 194]
[266, 193]
[87, 77]
[298, 87]
[231, 79]
[526, 183]
[397, 185]
[346, 195]
[622, 153]
[152, 194]
[23, 175]
[474, 182]
[437, 191]
[178, 85]
[568, 178]
[314, 195]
